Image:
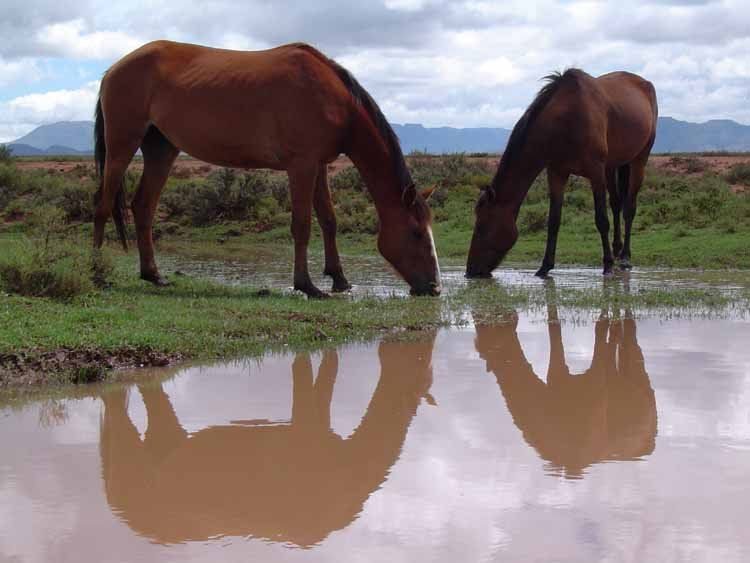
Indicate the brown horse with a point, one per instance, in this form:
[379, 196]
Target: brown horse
[599, 128]
[573, 421]
[294, 481]
[289, 108]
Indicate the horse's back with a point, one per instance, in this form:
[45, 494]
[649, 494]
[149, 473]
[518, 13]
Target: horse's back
[234, 108]
[631, 114]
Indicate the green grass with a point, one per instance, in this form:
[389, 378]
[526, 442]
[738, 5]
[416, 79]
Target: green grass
[131, 322]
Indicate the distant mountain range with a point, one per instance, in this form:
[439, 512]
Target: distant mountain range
[63, 138]
[76, 138]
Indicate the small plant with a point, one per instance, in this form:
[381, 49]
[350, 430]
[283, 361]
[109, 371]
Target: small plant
[6, 154]
[60, 274]
[533, 219]
[739, 174]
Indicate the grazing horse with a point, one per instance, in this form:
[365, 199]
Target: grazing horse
[573, 421]
[295, 481]
[599, 128]
[290, 108]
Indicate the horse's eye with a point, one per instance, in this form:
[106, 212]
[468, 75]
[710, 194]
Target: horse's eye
[417, 235]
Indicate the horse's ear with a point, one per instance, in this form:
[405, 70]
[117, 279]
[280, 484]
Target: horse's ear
[409, 195]
[427, 192]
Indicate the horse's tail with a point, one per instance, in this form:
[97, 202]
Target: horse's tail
[119, 210]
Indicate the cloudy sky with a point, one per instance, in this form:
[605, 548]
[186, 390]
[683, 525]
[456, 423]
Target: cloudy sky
[454, 62]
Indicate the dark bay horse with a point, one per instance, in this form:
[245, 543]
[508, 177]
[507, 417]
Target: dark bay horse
[290, 108]
[295, 481]
[599, 128]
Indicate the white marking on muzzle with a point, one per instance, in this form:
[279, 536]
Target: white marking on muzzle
[434, 255]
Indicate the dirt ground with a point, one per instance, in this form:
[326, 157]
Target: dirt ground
[186, 168]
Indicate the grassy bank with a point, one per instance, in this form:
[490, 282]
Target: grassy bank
[65, 318]
[81, 338]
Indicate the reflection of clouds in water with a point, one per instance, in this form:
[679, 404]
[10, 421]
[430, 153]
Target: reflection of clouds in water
[23, 543]
[466, 487]
[715, 358]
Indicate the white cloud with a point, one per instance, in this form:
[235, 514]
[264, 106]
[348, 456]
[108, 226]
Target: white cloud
[20, 70]
[19, 115]
[72, 40]
[460, 63]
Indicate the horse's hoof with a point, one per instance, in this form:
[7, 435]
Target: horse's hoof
[608, 272]
[625, 265]
[157, 279]
[340, 283]
[340, 286]
[312, 292]
[542, 273]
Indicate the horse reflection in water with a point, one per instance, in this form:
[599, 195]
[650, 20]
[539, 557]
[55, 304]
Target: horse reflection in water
[292, 482]
[576, 420]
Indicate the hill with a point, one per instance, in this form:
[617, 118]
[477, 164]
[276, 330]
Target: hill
[76, 137]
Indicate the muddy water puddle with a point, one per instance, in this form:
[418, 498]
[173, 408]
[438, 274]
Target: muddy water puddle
[616, 440]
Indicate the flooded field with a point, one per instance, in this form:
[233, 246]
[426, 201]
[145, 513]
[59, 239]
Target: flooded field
[616, 440]
[370, 275]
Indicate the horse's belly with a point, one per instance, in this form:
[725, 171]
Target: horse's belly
[245, 133]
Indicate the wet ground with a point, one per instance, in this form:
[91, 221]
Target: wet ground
[528, 439]
[370, 275]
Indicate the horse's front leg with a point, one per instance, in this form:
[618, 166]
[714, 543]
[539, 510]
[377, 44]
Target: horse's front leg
[302, 191]
[327, 221]
[556, 181]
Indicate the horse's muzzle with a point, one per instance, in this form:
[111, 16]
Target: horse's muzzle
[431, 288]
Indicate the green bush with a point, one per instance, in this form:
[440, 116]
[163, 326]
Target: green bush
[256, 196]
[348, 179]
[532, 219]
[59, 271]
[6, 154]
[9, 183]
[739, 174]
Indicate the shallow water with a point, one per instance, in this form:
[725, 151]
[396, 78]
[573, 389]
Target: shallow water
[370, 275]
[616, 440]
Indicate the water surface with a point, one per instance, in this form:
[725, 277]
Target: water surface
[526, 439]
[271, 267]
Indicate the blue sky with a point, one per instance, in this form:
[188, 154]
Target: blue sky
[463, 63]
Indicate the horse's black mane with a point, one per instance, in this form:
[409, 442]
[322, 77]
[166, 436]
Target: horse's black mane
[361, 96]
[521, 129]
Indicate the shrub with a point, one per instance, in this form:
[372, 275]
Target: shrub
[59, 271]
[739, 174]
[348, 179]
[9, 182]
[227, 196]
[532, 219]
[6, 154]
[76, 200]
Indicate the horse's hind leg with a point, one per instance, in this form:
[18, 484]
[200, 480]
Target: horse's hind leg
[637, 173]
[158, 156]
[324, 384]
[615, 203]
[599, 187]
[327, 221]
[302, 190]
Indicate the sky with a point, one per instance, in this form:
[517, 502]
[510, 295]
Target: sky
[459, 63]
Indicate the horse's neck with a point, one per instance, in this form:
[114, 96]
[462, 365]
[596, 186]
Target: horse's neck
[376, 166]
[514, 180]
